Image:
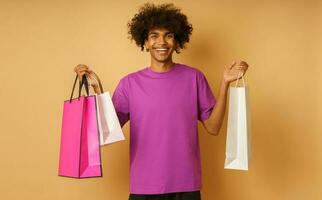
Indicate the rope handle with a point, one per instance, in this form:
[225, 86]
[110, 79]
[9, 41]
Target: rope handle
[80, 84]
[239, 78]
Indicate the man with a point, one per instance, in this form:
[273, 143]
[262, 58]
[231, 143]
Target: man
[164, 102]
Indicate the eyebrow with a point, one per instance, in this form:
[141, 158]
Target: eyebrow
[153, 32]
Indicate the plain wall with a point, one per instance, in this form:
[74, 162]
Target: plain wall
[42, 41]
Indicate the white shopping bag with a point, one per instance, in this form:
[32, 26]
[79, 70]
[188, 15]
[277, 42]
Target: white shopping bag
[108, 122]
[110, 130]
[238, 129]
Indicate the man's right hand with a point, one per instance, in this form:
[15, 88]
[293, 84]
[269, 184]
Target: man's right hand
[82, 69]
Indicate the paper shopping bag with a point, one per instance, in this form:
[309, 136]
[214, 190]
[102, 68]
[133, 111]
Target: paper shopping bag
[79, 148]
[109, 125]
[238, 129]
[110, 128]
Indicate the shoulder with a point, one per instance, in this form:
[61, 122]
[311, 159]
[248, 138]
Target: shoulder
[132, 75]
[125, 80]
[192, 70]
[188, 68]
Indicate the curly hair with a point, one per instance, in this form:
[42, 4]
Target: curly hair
[162, 16]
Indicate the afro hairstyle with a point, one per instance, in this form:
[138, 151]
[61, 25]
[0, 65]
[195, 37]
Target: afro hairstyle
[159, 16]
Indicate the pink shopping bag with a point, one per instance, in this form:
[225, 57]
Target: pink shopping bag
[79, 148]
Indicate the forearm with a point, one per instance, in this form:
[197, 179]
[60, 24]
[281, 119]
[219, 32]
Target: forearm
[217, 115]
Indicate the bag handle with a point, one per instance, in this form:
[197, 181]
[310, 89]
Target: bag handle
[88, 83]
[80, 83]
[85, 80]
[238, 79]
[99, 81]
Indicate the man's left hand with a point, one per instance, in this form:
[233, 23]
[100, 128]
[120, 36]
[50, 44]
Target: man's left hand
[235, 71]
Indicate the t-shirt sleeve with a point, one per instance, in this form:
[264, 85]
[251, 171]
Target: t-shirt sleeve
[206, 99]
[120, 101]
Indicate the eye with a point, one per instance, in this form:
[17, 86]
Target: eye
[170, 35]
[153, 36]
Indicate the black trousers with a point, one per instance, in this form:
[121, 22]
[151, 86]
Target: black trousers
[195, 195]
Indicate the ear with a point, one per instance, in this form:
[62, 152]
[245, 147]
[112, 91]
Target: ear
[175, 44]
[145, 44]
[176, 48]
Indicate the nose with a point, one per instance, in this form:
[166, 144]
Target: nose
[161, 40]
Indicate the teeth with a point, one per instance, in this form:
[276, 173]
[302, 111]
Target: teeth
[162, 49]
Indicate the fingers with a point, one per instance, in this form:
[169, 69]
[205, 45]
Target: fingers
[237, 73]
[232, 64]
[241, 66]
[80, 74]
[238, 65]
[81, 69]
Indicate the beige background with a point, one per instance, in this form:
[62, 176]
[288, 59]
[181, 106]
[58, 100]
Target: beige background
[41, 42]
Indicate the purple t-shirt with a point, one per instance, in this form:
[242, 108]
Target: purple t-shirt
[164, 109]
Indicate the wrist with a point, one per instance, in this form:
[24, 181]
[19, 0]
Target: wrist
[225, 83]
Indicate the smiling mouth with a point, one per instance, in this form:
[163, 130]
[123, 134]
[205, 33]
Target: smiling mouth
[161, 50]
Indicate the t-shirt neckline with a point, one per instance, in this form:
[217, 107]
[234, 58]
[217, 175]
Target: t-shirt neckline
[152, 73]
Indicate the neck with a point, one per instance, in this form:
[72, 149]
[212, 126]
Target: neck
[161, 66]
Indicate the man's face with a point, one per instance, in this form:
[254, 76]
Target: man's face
[161, 44]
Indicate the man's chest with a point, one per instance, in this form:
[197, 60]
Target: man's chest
[162, 95]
